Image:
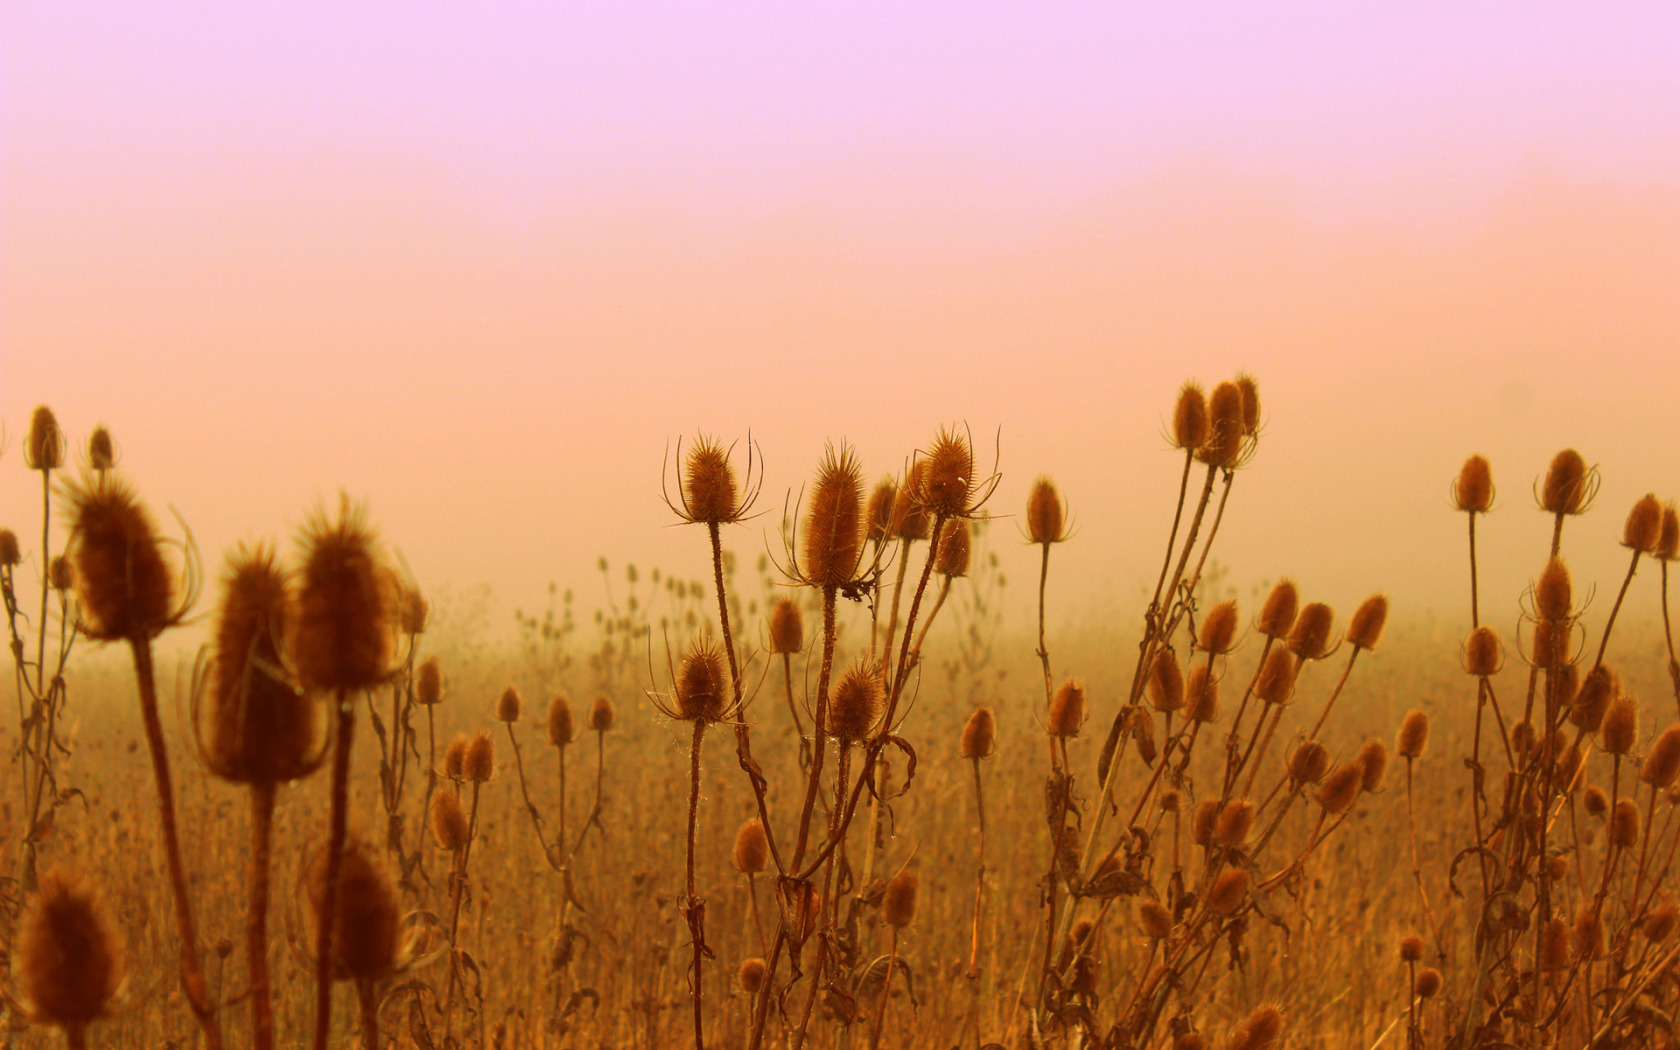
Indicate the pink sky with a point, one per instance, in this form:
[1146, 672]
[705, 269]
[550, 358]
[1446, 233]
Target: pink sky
[478, 264]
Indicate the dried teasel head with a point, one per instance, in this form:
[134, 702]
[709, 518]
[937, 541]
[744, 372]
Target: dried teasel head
[1413, 735]
[428, 683]
[1219, 629]
[1411, 949]
[1224, 444]
[1155, 920]
[1165, 684]
[750, 977]
[1374, 757]
[1203, 695]
[1189, 1041]
[1427, 984]
[1588, 934]
[455, 756]
[1660, 923]
[752, 847]
[1592, 702]
[367, 920]
[1473, 489]
[601, 714]
[341, 638]
[1569, 485]
[1190, 418]
[1643, 529]
[857, 702]
[702, 686]
[955, 546]
[832, 544]
[58, 573]
[948, 489]
[101, 450]
[413, 610]
[450, 825]
[479, 765]
[1309, 639]
[910, 519]
[1338, 791]
[1250, 388]
[1483, 654]
[1276, 680]
[1554, 946]
[66, 954]
[11, 554]
[1228, 891]
[979, 734]
[126, 588]
[1668, 535]
[1308, 762]
[787, 627]
[1262, 1031]
[562, 730]
[1366, 627]
[1067, 710]
[1046, 514]
[1553, 592]
[1620, 726]
[1624, 824]
[1277, 615]
[1236, 820]
[1662, 761]
[508, 705]
[1595, 801]
[43, 446]
[263, 729]
[879, 512]
[1203, 821]
[709, 492]
[898, 903]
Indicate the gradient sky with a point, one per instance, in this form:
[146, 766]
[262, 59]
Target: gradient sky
[479, 264]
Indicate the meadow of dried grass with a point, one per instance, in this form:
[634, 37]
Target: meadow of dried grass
[841, 803]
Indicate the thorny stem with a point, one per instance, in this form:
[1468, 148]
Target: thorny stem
[693, 907]
[1668, 637]
[1335, 693]
[369, 1004]
[979, 875]
[335, 852]
[1633, 566]
[256, 918]
[1043, 650]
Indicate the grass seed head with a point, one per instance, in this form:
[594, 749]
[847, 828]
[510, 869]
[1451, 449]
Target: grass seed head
[1413, 735]
[341, 639]
[752, 847]
[1067, 709]
[1473, 491]
[67, 957]
[1046, 515]
[1643, 529]
[1569, 486]
[856, 703]
[43, 447]
[955, 546]
[450, 824]
[834, 525]
[898, 903]
[1277, 615]
[1190, 418]
[508, 705]
[562, 729]
[1309, 639]
[787, 627]
[948, 486]
[979, 734]
[126, 588]
[702, 683]
[1366, 627]
[1219, 629]
[428, 683]
[1483, 654]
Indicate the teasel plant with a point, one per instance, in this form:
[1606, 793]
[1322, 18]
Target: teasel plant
[341, 645]
[127, 591]
[398, 738]
[977, 743]
[68, 959]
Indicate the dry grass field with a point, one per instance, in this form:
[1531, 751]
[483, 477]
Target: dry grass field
[835, 798]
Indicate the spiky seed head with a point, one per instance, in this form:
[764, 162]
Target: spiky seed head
[751, 976]
[856, 703]
[11, 554]
[1262, 1031]
[1662, 762]
[1413, 735]
[949, 484]
[480, 762]
[1595, 801]
[1483, 654]
[955, 545]
[1250, 388]
[1309, 639]
[1592, 702]
[1219, 629]
[1668, 535]
[1374, 757]
[508, 705]
[1228, 891]
[1203, 695]
[1155, 919]
[1223, 447]
[1557, 869]
[910, 520]
[43, 448]
[752, 847]
[1661, 922]
[58, 573]
[341, 639]
[1624, 824]
[1643, 529]
[709, 492]
[1588, 934]
[1551, 643]
[1202, 823]
[787, 627]
[1473, 491]
[562, 730]
[1190, 418]
[1554, 945]
[263, 728]
[1411, 949]
[1620, 726]
[833, 540]
[455, 756]
[702, 683]
[979, 734]
[1277, 615]
[428, 683]
[1568, 767]
[1308, 762]
[101, 450]
[898, 903]
[880, 510]
[67, 957]
[1046, 516]
[450, 824]
[1364, 630]
[1170, 800]
[1189, 1041]
[1338, 791]
[367, 918]
[1428, 983]
[1067, 710]
[1165, 684]
[1567, 488]
[1276, 681]
[413, 610]
[1553, 591]
[125, 587]
[1236, 820]
[601, 715]
[1523, 737]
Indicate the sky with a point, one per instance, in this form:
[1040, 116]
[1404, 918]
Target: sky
[481, 266]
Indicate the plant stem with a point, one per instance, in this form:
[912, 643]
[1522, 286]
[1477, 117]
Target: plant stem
[256, 918]
[337, 819]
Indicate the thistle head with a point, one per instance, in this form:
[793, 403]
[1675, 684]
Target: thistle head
[879, 512]
[1165, 684]
[1413, 735]
[1643, 529]
[11, 554]
[1219, 629]
[450, 825]
[428, 683]
[1483, 654]
[898, 903]
[910, 519]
